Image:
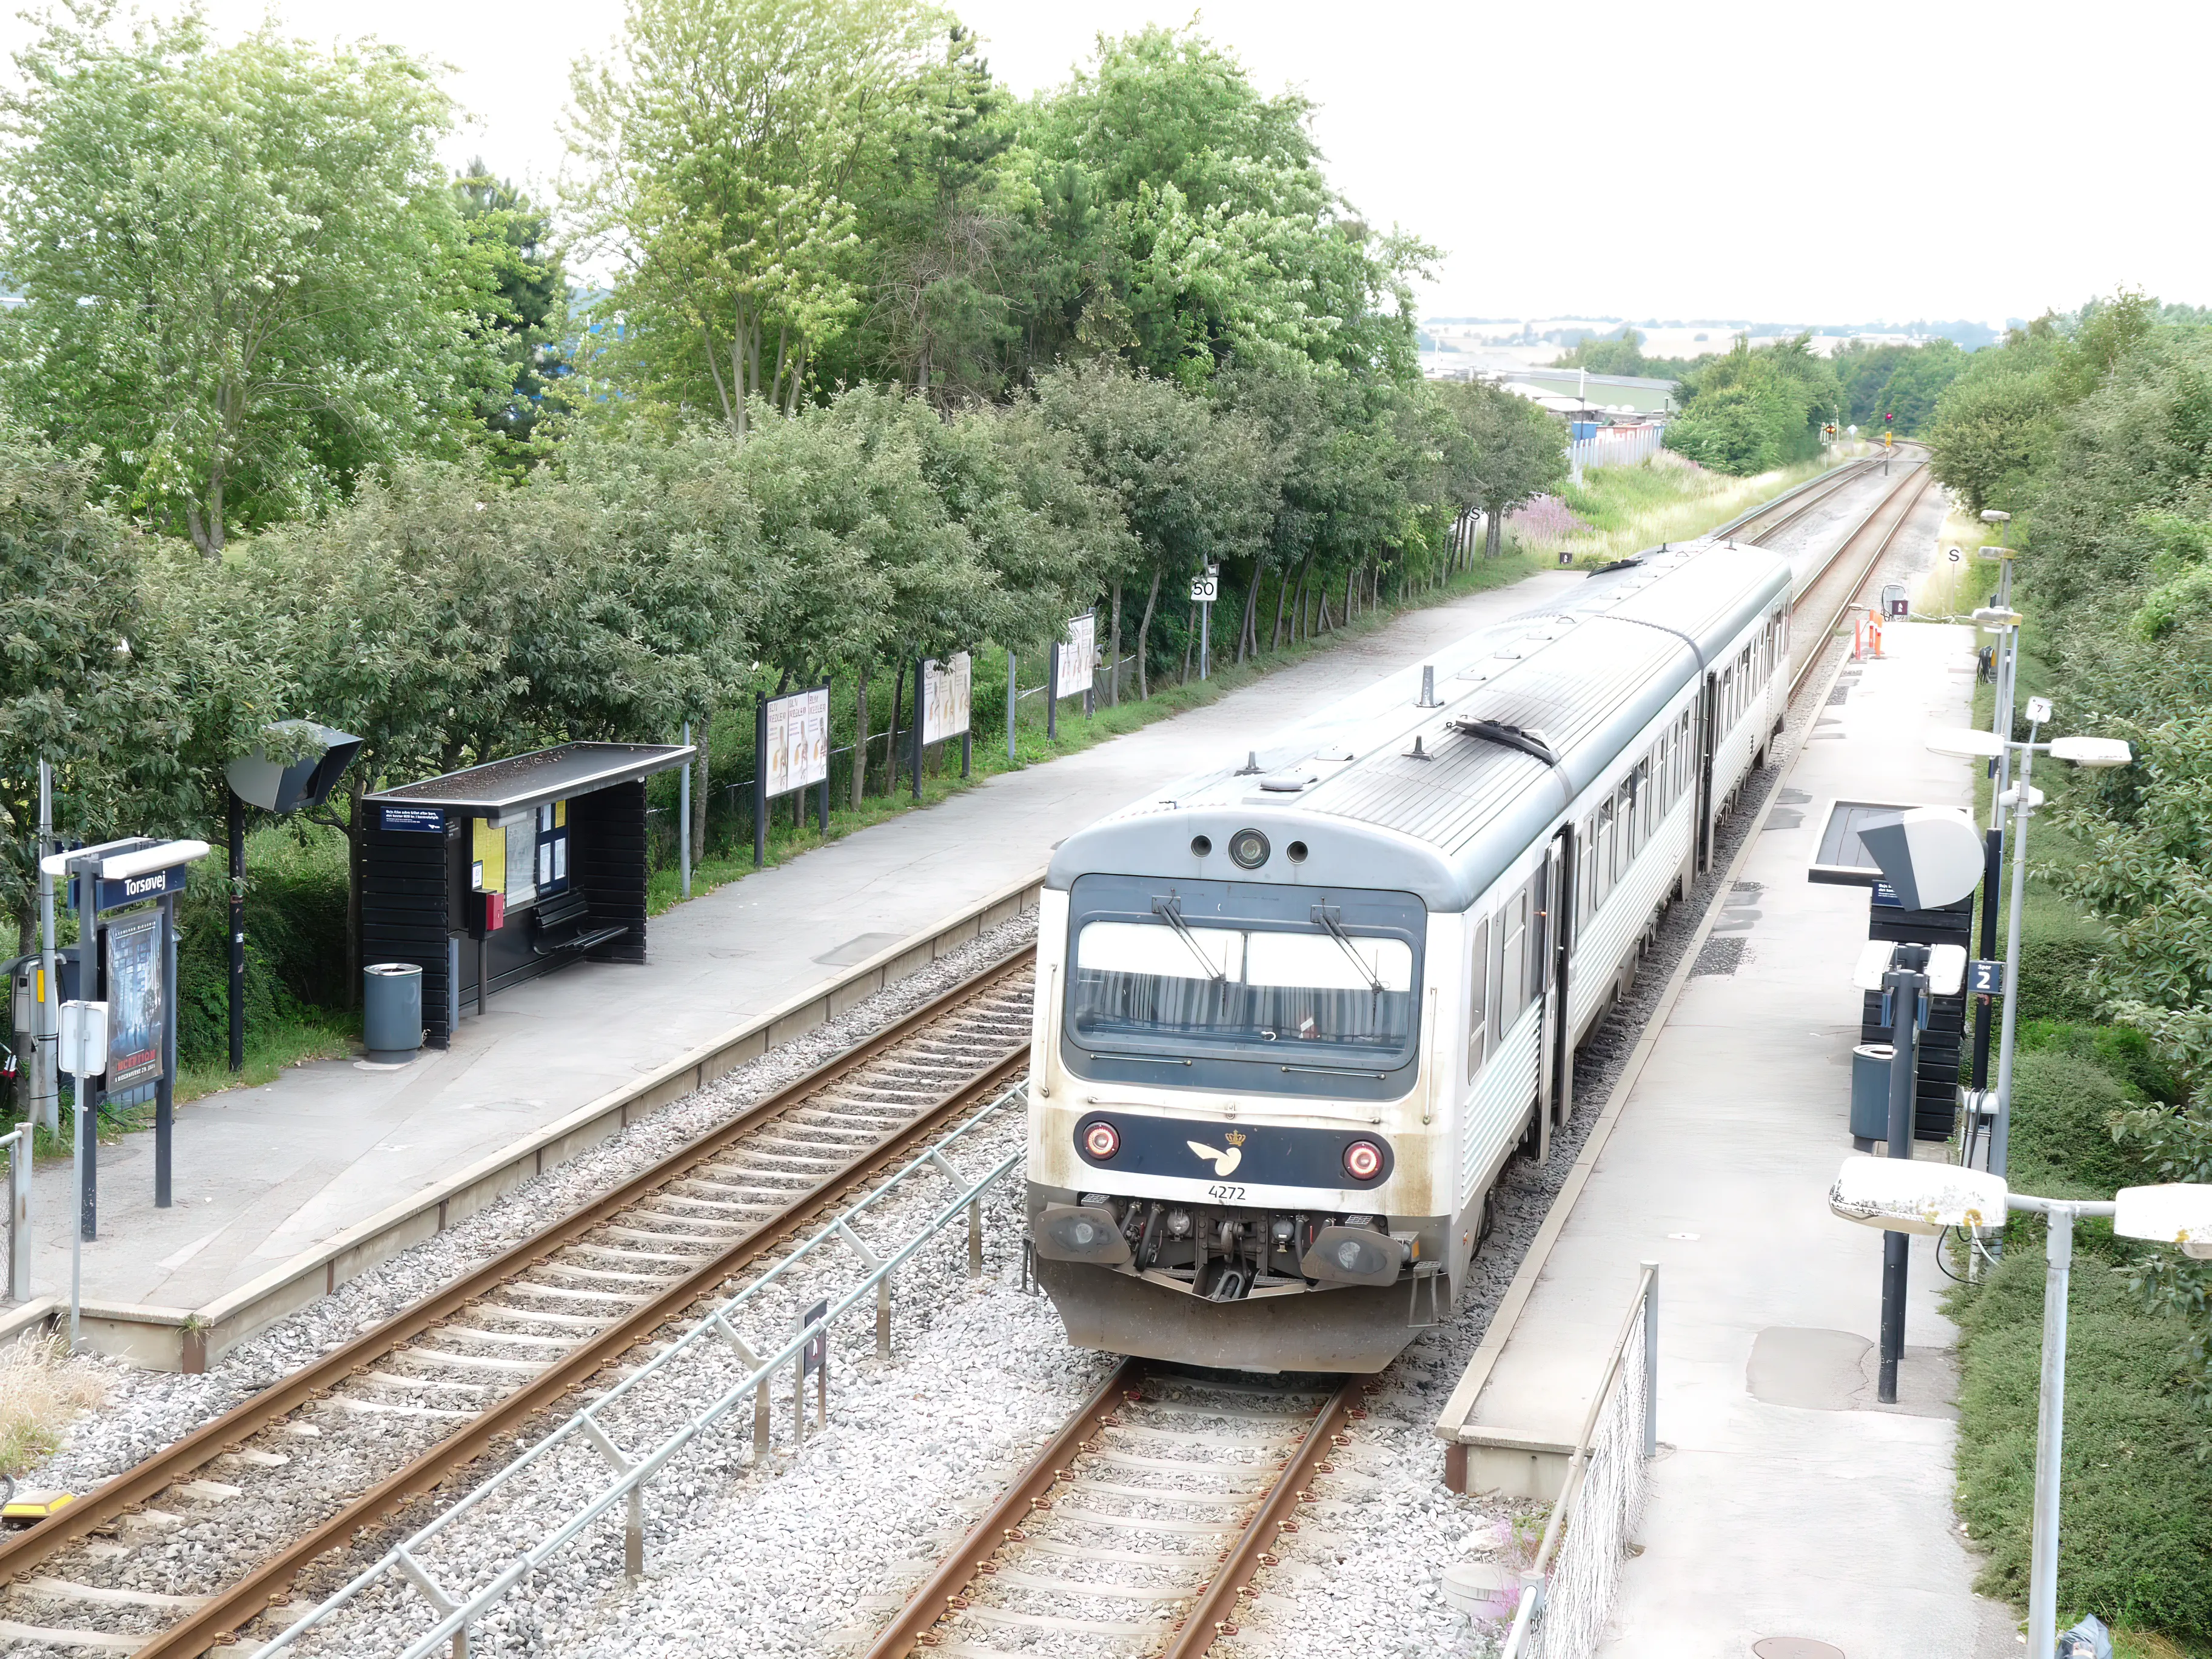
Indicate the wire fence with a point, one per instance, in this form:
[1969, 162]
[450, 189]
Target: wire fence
[730, 807]
[1570, 1589]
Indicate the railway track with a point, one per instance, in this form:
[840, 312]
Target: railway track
[417, 1400]
[1139, 1525]
[1770, 517]
[1826, 598]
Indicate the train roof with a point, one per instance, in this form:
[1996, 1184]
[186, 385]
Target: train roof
[1587, 672]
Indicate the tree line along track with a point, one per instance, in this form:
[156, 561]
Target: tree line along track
[1139, 1524]
[472, 1365]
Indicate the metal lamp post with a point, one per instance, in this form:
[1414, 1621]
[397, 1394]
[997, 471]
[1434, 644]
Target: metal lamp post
[1932, 1198]
[2096, 754]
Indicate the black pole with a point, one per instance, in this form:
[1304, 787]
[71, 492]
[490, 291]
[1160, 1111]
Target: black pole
[237, 933]
[966, 748]
[918, 725]
[1992, 879]
[826, 745]
[165, 1088]
[1902, 989]
[759, 779]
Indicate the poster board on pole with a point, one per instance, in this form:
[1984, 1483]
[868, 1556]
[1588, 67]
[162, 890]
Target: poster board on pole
[138, 1000]
[797, 752]
[946, 694]
[1077, 656]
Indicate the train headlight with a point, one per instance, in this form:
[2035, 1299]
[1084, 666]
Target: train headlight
[1249, 848]
[1362, 1160]
[1079, 1232]
[1353, 1255]
[1100, 1140]
[1178, 1223]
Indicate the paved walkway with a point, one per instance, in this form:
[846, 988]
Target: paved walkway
[1787, 1502]
[264, 1175]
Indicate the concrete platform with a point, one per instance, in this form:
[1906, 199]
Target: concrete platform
[1785, 1502]
[284, 1191]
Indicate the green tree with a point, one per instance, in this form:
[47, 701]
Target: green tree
[87, 681]
[726, 144]
[1748, 411]
[1519, 452]
[1208, 228]
[240, 266]
[524, 308]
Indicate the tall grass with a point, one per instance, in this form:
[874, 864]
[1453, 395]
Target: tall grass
[41, 1391]
[1625, 509]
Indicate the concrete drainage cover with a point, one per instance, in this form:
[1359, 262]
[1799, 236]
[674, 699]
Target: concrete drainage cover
[1794, 1647]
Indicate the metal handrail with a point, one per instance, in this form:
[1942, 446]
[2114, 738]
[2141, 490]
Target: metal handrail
[456, 1615]
[1643, 1310]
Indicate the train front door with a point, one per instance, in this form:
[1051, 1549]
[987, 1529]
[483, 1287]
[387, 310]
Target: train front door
[1555, 909]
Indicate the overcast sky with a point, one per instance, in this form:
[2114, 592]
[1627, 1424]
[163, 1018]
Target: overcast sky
[1706, 158]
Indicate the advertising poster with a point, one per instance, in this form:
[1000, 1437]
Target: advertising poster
[775, 753]
[135, 999]
[810, 763]
[944, 698]
[1078, 655]
[796, 755]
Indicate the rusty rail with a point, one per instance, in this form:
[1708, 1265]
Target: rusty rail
[239, 1604]
[1210, 1616]
[943, 1590]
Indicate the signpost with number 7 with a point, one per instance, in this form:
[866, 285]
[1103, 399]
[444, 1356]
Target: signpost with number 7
[1204, 591]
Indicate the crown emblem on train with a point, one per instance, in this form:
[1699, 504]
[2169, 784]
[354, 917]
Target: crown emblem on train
[1235, 1137]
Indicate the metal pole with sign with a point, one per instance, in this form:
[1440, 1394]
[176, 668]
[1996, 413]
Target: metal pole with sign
[84, 1048]
[1204, 591]
[81, 1063]
[683, 820]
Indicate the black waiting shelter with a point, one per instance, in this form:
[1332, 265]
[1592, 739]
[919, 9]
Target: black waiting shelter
[491, 876]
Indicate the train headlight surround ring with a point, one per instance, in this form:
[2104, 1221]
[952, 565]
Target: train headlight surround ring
[1248, 849]
[1363, 1161]
[1101, 1139]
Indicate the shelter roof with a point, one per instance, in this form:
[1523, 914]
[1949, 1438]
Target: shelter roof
[497, 788]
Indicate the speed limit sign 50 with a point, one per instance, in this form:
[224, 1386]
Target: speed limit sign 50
[1205, 590]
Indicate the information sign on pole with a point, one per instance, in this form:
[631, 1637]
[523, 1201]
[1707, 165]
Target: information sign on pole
[946, 694]
[1077, 656]
[1205, 590]
[1984, 979]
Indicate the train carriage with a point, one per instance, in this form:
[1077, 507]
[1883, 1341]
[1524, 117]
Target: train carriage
[1294, 1016]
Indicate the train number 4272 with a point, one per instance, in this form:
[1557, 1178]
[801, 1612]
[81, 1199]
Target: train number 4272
[1225, 1192]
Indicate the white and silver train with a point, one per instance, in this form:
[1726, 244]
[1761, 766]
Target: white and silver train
[1294, 1016]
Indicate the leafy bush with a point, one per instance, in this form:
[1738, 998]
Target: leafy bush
[296, 911]
[2136, 1544]
[2063, 1107]
[2059, 950]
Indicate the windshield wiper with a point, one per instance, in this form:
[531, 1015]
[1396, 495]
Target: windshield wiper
[1325, 916]
[1169, 910]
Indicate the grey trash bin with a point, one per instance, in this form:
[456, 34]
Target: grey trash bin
[391, 1009]
[1870, 1063]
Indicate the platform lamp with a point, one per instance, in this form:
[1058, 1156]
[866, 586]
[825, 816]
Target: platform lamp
[294, 767]
[2021, 798]
[1903, 1198]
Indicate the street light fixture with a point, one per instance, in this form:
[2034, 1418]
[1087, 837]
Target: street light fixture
[2095, 754]
[1900, 1196]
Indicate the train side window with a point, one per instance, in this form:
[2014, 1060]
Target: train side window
[1540, 928]
[1649, 797]
[1478, 1021]
[1602, 856]
[1512, 984]
[1625, 847]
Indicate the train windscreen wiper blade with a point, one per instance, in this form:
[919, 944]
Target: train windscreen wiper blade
[1170, 911]
[1326, 917]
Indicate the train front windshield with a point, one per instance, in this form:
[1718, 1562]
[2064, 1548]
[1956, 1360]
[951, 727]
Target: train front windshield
[1240, 985]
